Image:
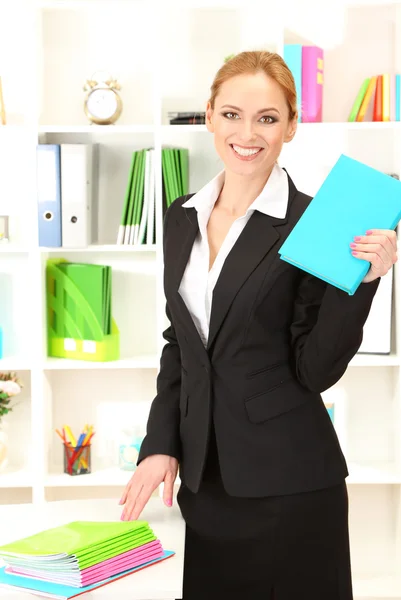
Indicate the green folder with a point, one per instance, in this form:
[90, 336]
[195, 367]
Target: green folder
[358, 100]
[125, 211]
[165, 180]
[71, 538]
[139, 190]
[131, 203]
[184, 170]
[100, 556]
[94, 283]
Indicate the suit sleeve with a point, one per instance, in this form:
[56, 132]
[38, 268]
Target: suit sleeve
[327, 330]
[162, 430]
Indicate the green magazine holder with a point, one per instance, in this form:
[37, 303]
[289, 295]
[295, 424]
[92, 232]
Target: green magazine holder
[64, 333]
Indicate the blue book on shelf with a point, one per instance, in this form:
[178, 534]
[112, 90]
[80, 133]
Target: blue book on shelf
[293, 58]
[353, 199]
[58, 591]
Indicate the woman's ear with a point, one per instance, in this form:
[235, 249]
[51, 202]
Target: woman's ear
[292, 128]
[209, 118]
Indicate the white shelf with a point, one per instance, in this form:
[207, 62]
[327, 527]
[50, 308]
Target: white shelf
[375, 360]
[15, 363]
[364, 125]
[106, 129]
[326, 125]
[139, 362]
[185, 128]
[15, 478]
[82, 4]
[10, 248]
[103, 248]
[377, 588]
[103, 478]
[374, 473]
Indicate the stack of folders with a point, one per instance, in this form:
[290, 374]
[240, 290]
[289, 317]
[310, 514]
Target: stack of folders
[66, 188]
[137, 225]
[175, 164]
[72, 559]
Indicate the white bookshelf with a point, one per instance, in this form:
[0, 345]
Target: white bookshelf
[165, 57]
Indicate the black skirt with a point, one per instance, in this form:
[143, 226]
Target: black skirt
[293, 547]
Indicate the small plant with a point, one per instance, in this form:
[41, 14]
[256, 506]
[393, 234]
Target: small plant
[10, 386]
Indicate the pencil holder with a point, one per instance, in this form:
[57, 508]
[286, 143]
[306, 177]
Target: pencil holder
[77, 461]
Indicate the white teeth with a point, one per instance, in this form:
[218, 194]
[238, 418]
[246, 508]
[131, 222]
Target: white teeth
[245, 152]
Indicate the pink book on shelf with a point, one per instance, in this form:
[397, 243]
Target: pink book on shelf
[312, 84]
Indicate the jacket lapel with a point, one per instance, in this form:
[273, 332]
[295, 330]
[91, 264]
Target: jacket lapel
[255, 241]
[187, 229]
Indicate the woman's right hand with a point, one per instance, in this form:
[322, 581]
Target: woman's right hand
[149, 474]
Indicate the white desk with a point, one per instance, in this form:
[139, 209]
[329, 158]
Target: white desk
[161, 581]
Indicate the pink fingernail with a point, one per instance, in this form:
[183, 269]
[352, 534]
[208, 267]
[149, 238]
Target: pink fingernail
[168, 502]
[355, 254]
[353, 245]
[369, 232]
[123, 516]
[357, 238]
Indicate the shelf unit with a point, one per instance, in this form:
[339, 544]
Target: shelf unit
[64, 42]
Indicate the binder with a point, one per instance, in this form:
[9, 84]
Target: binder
[353, 199]
[48, 180]
[377, 329]
[78, 165]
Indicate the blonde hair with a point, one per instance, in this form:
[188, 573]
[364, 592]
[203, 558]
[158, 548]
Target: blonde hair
[256, 61]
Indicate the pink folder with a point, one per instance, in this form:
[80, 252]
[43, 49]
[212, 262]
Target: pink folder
[312, 84]
[100, 571]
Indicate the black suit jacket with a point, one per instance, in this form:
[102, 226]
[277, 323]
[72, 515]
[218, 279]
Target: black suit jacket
[278, 338]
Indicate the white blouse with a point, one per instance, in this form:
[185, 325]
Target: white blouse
[197, 284]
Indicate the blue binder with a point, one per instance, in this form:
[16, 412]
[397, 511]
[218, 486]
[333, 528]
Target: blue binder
[293, 58]
[353, 199]
[49, 195]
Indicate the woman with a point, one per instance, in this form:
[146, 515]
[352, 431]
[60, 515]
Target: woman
[253, 342]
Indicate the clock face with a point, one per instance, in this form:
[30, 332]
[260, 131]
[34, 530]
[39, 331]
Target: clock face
[102, 103]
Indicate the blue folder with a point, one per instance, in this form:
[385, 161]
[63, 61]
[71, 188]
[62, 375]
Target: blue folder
[353, 199]
[64, 592]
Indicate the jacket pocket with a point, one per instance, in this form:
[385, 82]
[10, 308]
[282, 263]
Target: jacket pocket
[267, 369]
[275, 401]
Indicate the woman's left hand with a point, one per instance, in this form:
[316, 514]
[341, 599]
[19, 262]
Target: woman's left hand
[379, 247]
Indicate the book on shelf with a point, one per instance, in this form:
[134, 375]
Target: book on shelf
[187, 118]
[378, 99]
[306, 63]
[175, 169]
[137, 224]
[66, 191]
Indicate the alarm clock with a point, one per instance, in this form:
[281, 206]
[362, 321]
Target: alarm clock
[102, 103]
